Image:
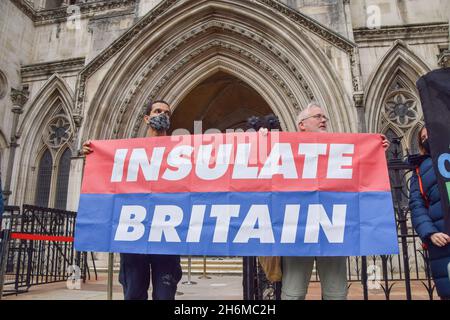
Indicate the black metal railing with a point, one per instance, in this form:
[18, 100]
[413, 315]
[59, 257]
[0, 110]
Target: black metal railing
[28, 259]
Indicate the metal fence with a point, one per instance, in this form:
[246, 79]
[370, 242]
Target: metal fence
[36, 248]
[409, 272]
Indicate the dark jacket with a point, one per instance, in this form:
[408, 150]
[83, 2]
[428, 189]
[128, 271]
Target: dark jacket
[429, 220]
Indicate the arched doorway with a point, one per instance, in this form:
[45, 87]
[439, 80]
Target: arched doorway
[220, 102]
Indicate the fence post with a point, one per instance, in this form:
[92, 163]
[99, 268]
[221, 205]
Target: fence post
[364, 277]
[189, 282]
[204, 276]
[3, 257]
[110, 276]
[249, 278]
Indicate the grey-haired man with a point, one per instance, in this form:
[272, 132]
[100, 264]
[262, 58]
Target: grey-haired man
[332, 270]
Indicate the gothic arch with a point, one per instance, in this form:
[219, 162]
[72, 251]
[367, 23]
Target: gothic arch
[265, 46]
[399, 64]
[53, 102]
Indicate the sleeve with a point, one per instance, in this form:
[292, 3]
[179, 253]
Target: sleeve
[421, 221]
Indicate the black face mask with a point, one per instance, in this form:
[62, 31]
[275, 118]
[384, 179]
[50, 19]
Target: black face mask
[160, 123]
[426, 146]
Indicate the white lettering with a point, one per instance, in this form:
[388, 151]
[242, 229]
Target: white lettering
[311, 151]
[176, 159]
[131, 217]
[119, 162]
[317, 217]
[223, 213]
[161, 225]
[280, 152]
[222, 162]
[139, 159]
[289, 231]
[337, 160]
[258, 214]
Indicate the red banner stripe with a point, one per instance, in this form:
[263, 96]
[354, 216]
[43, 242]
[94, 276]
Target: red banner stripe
[40, 237]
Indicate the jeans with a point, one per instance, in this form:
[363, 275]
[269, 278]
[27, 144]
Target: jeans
[134, 276]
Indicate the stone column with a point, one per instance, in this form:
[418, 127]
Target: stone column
[76, 169]
[358, 98]
[19, 98]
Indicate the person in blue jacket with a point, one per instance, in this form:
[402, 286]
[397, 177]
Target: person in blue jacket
[428, 218]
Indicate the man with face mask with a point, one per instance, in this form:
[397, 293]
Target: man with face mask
[166, 270]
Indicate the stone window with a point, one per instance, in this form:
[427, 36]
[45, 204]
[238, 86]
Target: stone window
[63, 180]
[44, 179]
[54, 165]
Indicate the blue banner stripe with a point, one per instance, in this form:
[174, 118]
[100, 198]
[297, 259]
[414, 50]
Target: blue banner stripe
[370, 227]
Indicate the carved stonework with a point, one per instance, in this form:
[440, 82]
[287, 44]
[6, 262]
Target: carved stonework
[211, 45]
[358, 98]
[58, 131]
[392, 33]
[295, 16]
[444, 59]
[19, 98]
[60, 14]
[45, 68]
[401, 109]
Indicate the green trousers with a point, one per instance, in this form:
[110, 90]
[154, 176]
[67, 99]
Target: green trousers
[297, 274]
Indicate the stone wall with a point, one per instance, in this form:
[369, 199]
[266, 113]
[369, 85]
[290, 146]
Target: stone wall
[400, 12]
[16, 46]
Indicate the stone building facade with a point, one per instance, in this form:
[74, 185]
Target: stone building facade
[74, 70]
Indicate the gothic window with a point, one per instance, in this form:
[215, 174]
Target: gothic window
[401, 110]
[54, 166]
[63, 180]
[44, 179]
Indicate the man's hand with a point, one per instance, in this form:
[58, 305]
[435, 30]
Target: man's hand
[86, 149]
[440, 239]
[385, 142]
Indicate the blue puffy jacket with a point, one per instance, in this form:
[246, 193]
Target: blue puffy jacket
[429, 220]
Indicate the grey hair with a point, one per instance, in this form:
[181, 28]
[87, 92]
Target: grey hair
[305, 112]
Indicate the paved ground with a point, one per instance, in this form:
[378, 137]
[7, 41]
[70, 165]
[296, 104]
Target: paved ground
[218, 287]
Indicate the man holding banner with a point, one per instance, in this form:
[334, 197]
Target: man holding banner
[282, 194]
[332, 270]
[166, 270]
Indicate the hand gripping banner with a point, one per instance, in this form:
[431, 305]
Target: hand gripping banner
[238, 194]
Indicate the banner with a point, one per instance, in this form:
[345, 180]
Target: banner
[434, 91]
[239, 194]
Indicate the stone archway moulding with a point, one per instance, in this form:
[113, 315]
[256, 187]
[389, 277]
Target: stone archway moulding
[265, 38]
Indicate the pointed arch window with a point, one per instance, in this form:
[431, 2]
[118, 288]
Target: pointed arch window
[44, 179]
[54, 167]
[63, 180]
